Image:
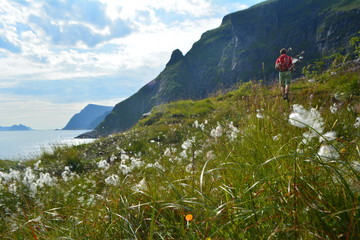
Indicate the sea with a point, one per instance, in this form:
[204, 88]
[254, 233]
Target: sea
[25, 145]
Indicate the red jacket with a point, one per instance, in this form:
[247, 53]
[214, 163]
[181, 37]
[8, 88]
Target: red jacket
[284, 63]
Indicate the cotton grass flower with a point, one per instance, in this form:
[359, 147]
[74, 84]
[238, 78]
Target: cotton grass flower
[276, 138]
[357, 122]
[112, 180]
[302, 118]
[196, 124]
[210, 155]
[199, 126]
[103, 164]
[329, 136]
[259, 113]
[141, 186]
[113, 158]
[124, 157]
[334, 108]
[189, 168]
[67, 174]
[36, 165]
[12, 175]
[125, 169]
[167, 152]
[155, 165]
[259, 116]
[13, 188]
[29, 177]
[136, 162]
[328, 152]
[233, 131]
[45, 179]
[188, 143]
[217, 132]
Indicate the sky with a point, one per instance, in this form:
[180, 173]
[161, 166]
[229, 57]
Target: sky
[57, 56]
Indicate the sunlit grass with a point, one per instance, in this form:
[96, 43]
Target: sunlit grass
[234, 162]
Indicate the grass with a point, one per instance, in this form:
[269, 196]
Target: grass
[233, 161]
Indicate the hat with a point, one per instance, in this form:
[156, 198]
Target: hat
[283, 51]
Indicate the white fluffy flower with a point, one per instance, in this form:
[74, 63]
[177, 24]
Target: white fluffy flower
[334, 108]
[302, 118]
[329, 136]
[113, 158]
[155, 165]
[188, 143]
[276, 138]
[210, 155]
[328, 152]
[45, 179]
[136, 162]
[141, 186]
[189, 168]
[36, 165]
[167, 152]
[124, 157]
[183, 154]
[112, 180]
[357, 122]
[234, 131]
[217, 132]
[125, 169]
[259, 116]
[29, 177]
[196, 124]
[201, 126]
[12, 175]
[103, 164]
[67, 175]
[13, 188]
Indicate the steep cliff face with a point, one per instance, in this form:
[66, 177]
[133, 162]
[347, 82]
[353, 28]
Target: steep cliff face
[243, 48]
[88, 118]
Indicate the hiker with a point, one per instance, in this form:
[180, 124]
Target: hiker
[285, 65]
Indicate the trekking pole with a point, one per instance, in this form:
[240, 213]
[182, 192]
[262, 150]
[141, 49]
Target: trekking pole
[263, 69]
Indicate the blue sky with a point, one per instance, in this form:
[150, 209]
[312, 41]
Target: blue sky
[56, 56]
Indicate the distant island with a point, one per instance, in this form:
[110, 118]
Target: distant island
[19, 127]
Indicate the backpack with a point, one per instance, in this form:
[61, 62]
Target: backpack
[283, 63]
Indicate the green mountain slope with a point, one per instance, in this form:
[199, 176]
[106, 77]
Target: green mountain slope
[245, 164]
[236, 51]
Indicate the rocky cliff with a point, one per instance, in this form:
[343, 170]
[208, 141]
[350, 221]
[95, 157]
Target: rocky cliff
[243, 48]
[88, 118]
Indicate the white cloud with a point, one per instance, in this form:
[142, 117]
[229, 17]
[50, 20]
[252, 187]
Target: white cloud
[142, 49]
[131, 9]
[129, 40]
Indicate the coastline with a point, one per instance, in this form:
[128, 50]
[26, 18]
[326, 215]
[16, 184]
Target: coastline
[27, 145]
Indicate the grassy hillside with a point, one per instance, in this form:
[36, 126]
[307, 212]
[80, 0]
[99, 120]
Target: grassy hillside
[243, 48]
[245, 164]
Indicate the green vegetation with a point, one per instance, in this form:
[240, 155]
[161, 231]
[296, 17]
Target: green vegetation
[244, 47]
[246, 165]
[355, 42]
[346, 5]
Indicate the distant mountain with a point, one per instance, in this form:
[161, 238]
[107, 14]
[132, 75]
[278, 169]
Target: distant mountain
[19, 127]
[88, 118]
[243, 48]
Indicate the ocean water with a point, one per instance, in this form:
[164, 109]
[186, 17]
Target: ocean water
[24, 145]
